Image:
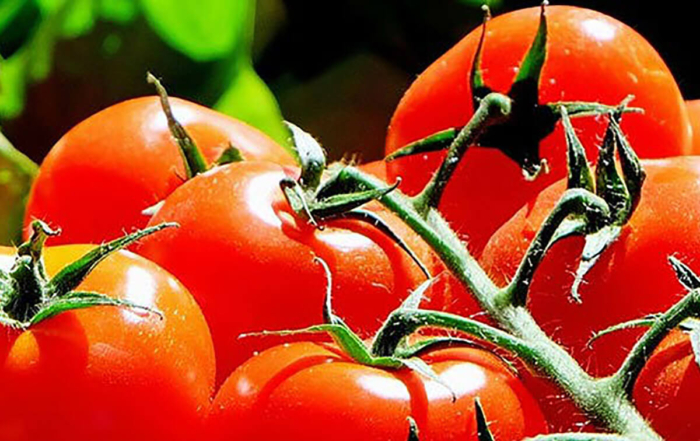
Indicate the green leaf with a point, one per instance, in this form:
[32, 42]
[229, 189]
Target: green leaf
[204, 30]
[249, 99]
[118, 11]
[8, 11]
[80, 18]
[17, 173]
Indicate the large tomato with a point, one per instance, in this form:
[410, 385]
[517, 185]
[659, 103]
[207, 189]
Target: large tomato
[97, 179]
[632, 277]
[590, 57]
[667, 389]
[249, 261]
[313, 392]
[108, 373]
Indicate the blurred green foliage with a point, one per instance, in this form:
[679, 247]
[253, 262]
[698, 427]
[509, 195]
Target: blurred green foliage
[202, 30]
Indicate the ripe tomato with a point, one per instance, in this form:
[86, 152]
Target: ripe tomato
[631, 279]
[693, 107]
[668, 386]
[306, 391]
[582, 45]
[98, 178]
[108, 373]
[250, 263]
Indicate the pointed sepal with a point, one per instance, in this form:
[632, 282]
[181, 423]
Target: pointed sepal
[579, 174]
[72, 275]
[312, 157]
[413, 433]
[595, 244]
[191, 155]
[476, 79]
[531, 66]
[433, 143]
[230, 155]
[482, 425]
[81, 300]
[685, 275]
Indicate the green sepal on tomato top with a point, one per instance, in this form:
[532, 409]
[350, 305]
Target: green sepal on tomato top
[28, 296]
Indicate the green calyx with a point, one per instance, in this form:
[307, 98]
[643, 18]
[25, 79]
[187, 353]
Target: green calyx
[28, 296]
[518, 134]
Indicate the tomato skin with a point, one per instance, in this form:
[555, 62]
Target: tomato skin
[632, 278]
[108, 373]
[667, 388]
[488, 188]
[250, 263]
[97, 179]
[693, 108]
[306, 391]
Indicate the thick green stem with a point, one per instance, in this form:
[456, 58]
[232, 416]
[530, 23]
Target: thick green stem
[492, 109]
[626, 376]
[597, 397]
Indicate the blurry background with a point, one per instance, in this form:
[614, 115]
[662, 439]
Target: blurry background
[336, 68]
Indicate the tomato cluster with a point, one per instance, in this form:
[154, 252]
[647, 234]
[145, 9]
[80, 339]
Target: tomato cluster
[201, 336]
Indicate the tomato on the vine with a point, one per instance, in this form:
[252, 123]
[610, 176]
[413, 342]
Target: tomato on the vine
[103, 173]
[249, 261]
[306, 391]
[632, 277]
[590, 57]
[667, 387]
[105, 372]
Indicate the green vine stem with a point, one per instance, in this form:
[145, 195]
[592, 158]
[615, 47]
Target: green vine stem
[492, 109]
[599, 398]
[688, 306]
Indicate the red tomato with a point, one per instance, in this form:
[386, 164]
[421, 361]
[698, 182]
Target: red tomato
[668, 387]
[305, 391]
[108, 373]
[98, 178]
[693, 107]
[632, 278]
[250, 263]
[591, 57]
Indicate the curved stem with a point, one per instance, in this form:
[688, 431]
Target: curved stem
[597, 397]
[573, 202]
[626, 376]
[493, 108]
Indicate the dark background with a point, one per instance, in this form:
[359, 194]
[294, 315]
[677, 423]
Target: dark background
[338, 68]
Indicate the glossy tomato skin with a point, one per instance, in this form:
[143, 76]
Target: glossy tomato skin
[250, 263]
[591, 57]
[667, 389]
[693, 107]
[108, 373]
[312, 392]
[631, 279]
[97, 179]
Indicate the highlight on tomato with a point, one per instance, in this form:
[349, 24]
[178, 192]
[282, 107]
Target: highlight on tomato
[313, 391]
[248, 259]
[97, 344]
[99, 177]
[516, 57]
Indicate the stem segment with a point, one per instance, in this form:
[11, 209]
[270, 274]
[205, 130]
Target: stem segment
[492, 109]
